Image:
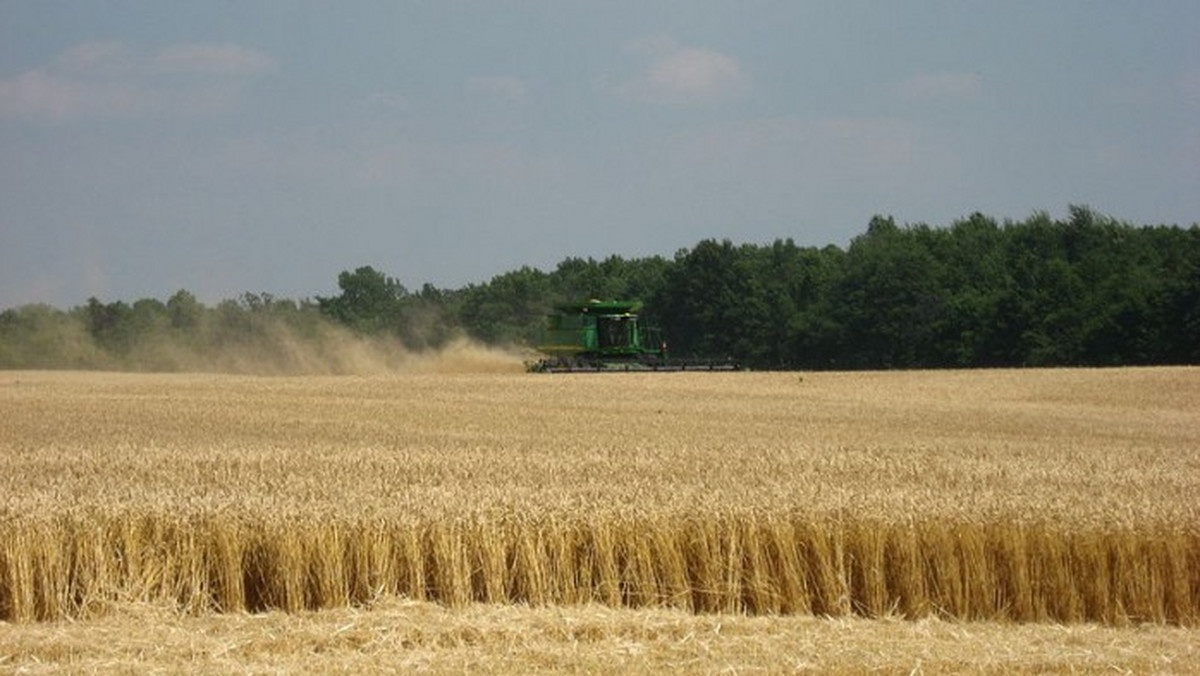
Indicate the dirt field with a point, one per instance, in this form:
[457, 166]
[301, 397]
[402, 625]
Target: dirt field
[1036, 496]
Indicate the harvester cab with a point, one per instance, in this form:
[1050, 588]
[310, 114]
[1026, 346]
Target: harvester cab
[597, 336]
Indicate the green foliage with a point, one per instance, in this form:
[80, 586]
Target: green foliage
[713, 301]
[255, 333]
[511, 308]
[508, 309]
[1087, 290]
[184, 311]
[893, 302]
[373, 304]
[369, 303]
[42, 337]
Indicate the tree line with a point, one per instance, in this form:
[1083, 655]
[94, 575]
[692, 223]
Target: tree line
[1087, 290]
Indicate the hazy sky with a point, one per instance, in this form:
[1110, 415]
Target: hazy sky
[231, 146]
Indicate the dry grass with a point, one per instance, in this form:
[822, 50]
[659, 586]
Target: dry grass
[404, 636]
[1062, 496]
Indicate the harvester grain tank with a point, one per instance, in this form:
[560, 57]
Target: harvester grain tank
[608, 336]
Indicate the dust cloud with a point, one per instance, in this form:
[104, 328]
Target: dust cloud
[331, 351]
[265, 346]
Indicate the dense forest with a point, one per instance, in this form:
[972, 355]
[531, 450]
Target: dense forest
[1087, 290]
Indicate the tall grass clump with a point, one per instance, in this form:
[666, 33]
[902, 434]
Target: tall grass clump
[76, 566]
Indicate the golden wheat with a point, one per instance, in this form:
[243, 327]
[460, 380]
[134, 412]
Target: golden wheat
[65, 567]
[1030, 496]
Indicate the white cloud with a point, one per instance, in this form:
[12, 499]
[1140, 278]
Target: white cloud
[503, 87]
[940, 86]
[213, 59]
[95, 60]
[35, 93]
[115, 79]
[675, 74]
[695, 73]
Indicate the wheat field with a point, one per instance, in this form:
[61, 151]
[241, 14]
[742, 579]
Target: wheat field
[1060, 496]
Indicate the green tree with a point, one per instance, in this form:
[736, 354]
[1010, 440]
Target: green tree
[892, 304]
[509, 309]
[428, 318]
[110, 325]
[975, 279]
[370, 302]
[42, 337]
[714, 303]
[183, 310]
[1175, 302]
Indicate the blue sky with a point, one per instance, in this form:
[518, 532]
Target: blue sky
[225, 147]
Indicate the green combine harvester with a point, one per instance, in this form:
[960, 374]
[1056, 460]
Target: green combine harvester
[605, 336]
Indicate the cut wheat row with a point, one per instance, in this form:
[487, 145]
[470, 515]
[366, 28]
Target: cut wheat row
[75, 566]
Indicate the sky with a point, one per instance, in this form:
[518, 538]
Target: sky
[233, 146]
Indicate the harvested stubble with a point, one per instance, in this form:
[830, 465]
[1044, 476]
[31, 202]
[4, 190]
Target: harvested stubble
[1028, 496]
[394, 635]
